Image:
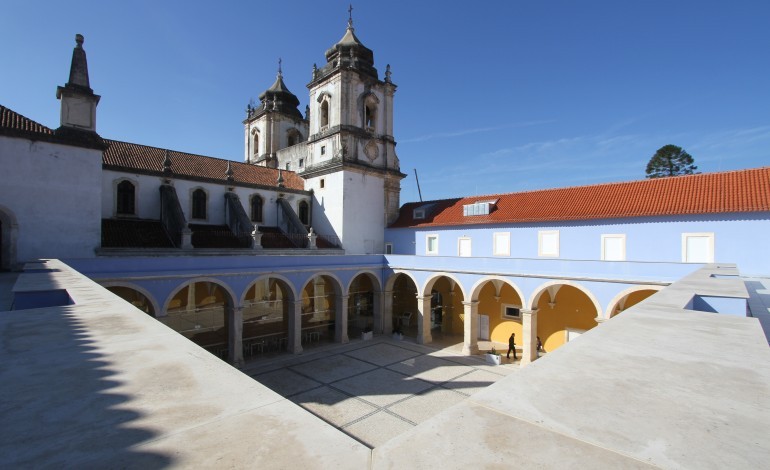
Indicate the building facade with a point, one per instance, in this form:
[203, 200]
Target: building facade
[306, 241]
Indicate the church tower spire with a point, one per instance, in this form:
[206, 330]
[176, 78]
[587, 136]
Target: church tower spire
[78, 101]
[273, 125]
[351, 144]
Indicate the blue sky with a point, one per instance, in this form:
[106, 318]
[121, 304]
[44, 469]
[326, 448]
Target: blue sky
[495, 97]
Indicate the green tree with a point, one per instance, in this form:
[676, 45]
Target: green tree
[670, 160]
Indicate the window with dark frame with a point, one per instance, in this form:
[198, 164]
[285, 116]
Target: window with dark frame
[304, 212]
[256, 208]
[126, 193]
[199, 204]
[511, 311]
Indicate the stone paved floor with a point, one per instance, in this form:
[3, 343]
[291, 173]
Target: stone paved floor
[376, 390]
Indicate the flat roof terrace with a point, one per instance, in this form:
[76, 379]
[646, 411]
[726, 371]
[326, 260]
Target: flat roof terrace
[89, 380]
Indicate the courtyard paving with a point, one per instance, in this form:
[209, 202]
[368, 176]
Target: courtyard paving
[376, 390]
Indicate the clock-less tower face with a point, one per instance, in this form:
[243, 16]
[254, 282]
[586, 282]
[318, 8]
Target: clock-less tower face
[372, 151]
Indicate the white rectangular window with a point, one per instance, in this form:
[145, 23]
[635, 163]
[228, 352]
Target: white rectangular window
[548, 243]
[501, 244]
[698, 247]
[614, 247]
[511, 312]
[388, 248]
[431, 245]
[464, 246]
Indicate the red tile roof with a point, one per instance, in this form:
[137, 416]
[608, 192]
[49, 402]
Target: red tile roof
[142, 158]
[10, 119]
[733, 191]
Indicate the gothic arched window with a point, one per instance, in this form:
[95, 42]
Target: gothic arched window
[126, 194]
[304, 212]
[256, 208]
[256, 144]
[199, 204]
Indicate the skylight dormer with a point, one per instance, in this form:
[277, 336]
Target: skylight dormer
[479, 208]
[421, 212]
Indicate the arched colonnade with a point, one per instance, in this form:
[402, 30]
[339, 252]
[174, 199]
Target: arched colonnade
[238, 317]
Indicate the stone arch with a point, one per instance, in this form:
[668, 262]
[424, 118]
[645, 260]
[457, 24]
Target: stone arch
[207, 322]
[478, 285]
[321, 308]
[557, 322]
[187, 282]
[492, 294]
[426, 291]
[392, 279]
[400, 303]
[364, 305]
[544, 287]
[267, 314]
[443, 307]
[156, 312]
[618, 300]
[284, 279]
[337, 282]
[9, 233]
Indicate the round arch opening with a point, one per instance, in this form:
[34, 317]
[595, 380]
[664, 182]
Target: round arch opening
[564, 312]
[501, 304]
[404, 305]
[201, 312]
[319, 310]
[266, 310]
[361, 304]
[135, 298]
[631, 299]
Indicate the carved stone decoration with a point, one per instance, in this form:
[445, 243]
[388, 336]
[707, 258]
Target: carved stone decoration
[372, 151]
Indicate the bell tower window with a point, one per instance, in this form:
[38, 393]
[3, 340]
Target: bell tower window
[292, 137]
[369, 113]
[324, 115]
[256, 144]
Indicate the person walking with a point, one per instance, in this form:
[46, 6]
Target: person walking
[511, 346]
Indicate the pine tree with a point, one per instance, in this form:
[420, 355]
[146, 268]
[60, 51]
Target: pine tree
[670, 160]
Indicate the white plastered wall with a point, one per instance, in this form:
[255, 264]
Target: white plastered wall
[54, 195]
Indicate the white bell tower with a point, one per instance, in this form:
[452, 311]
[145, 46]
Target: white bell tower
[352, 165]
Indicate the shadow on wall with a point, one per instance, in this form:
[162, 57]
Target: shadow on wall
[759, 303]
